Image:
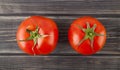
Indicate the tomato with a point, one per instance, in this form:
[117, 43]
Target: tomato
[87, 35]
[37, 35]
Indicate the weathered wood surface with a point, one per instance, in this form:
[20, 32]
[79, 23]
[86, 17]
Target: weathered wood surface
[59, 63]
[9, 26]
[12, 12]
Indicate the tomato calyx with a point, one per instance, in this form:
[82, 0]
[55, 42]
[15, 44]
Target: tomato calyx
[34, 35]
[89, 34]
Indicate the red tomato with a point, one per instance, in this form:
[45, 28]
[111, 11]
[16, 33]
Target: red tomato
[87, 35]
[37, 35]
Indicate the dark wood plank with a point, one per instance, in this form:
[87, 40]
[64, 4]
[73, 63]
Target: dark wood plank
[27, 7]
[59, 63]
[9, 24]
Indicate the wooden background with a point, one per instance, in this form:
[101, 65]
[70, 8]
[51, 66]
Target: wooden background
[12, 12]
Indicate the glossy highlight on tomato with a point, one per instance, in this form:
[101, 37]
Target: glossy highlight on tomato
[37, 35]
[87, 35]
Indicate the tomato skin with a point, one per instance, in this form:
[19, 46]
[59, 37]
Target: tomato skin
[44, 45]
[75, 35]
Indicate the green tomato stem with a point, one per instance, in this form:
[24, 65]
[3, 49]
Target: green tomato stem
[89, 34]
[34, 35]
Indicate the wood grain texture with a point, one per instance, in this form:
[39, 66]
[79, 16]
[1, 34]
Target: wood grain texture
[59, 63]
[12, 12]
[28, 7]
[9, 24]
